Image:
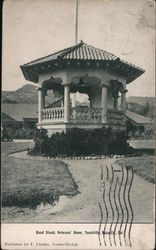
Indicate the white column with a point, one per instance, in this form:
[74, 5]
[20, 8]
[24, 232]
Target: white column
[104, 103]
[123, 99]
[74, 106]
[74, 100]
[41, 103]
[43, 100]
[66, 103]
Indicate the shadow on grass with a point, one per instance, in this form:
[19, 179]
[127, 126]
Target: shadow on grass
[31, 200]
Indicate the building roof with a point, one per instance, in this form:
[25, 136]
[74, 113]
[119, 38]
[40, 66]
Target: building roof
[80, 52]
[19, 111]
[139, 119]
[6, 118]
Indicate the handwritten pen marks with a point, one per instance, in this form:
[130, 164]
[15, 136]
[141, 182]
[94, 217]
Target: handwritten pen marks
[116, 213]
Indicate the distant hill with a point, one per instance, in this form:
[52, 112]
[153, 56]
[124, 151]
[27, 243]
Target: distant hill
[26, 94]
[141, 105]
[141, 100]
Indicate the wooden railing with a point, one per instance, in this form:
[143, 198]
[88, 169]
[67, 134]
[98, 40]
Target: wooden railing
[115, 117]
[85, 114]
[53, 114]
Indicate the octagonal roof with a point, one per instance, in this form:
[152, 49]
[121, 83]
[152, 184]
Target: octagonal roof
[80, 53]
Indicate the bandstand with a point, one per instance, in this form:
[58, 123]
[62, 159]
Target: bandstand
[83, 69]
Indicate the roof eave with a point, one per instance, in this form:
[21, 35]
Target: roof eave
[131, 79]
[30, 74]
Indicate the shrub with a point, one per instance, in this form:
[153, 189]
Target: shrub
[18, 133]
[23, 133]
[41, 142]
[5, 135]
[77, 142]
[118, 143]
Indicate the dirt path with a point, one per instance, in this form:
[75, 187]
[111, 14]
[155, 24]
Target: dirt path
[84, 207]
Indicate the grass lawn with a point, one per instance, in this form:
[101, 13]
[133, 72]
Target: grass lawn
[142, 166]
[27, 183]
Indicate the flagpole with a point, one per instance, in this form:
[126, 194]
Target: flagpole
[76, 40]
[76, 23]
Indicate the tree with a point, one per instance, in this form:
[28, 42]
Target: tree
[146, 109]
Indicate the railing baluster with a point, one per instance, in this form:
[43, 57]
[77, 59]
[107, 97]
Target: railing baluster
[83, 114]
[53, 114]
[115, 117]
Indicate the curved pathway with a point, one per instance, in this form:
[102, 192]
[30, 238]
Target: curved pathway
[84, 206]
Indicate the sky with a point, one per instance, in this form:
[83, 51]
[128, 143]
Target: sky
[33, 29]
